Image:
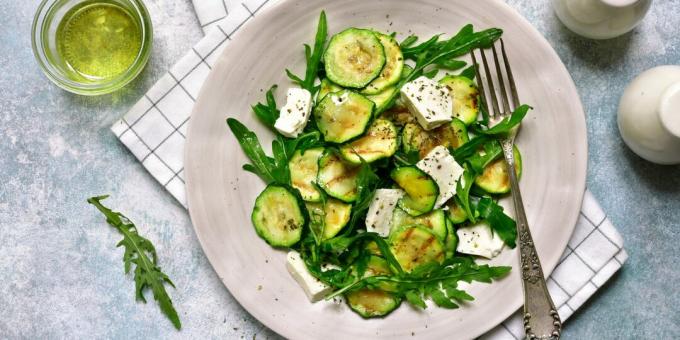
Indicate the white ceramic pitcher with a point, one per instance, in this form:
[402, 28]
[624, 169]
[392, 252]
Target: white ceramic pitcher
[601, 19]
[649, 115]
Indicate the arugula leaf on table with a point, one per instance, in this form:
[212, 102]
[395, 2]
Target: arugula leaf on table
[463, 192]
[313, 57]
[141, 253]
[500, 223]
[267, 113]
[505, 125]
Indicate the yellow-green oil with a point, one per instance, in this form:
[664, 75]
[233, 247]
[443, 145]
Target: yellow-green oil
[98, 40]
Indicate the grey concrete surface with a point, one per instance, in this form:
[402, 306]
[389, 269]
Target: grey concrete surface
[62, 277]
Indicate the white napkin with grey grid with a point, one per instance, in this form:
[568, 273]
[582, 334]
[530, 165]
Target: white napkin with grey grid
[155, 131]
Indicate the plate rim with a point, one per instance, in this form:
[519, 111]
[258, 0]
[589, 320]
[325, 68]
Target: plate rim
[272, 8]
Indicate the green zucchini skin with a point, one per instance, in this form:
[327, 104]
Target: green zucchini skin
[465, 97]
[455, 212]
[421, 190]
[495, 179]
[374, 302]
[414, 246]
[303, 169]
[394, 64]
[354, 58]
[335, 215]
[435, 220]
[327, 87]
[337, 177]
[451, 241]
[380, 141]
[278, 216]
[342, 116]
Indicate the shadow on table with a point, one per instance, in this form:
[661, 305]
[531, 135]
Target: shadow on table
[663, 178]
[597, 53]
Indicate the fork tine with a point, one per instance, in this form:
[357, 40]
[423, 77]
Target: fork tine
[501, 81]
[511, 80]
[480, 84]
[492, 90]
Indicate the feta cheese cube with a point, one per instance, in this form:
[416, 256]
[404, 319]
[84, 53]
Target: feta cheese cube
[314, 288]
[445, 171]
[430, 102]
[295, 114]
[478, 239]
[379, 216]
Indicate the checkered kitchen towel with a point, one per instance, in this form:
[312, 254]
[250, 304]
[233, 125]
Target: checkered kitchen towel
[155, 129]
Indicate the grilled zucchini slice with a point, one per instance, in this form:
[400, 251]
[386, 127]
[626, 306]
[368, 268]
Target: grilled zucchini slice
[394, 63]
[327, 87]
[303, 169]
[334, 215]
[456, 213]
[380, 141]
[337, 177]
[495, 179]
[465, 97]
[415, 138]
[383, 99]
[414, 246]
[451, 240]
[421, 190]
[341, 116]
[373, 302]
[434, 220]
[354, 58]
[278, 216]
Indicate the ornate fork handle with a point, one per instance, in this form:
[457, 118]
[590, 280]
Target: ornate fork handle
[541, 320]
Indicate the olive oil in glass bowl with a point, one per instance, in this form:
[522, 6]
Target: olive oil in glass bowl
[92, 47]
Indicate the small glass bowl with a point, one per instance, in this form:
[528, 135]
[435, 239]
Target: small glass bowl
[43, 36]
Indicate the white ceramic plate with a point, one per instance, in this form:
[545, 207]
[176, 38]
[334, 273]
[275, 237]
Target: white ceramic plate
[221, 194]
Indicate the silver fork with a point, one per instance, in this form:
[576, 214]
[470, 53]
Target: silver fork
[541, 320]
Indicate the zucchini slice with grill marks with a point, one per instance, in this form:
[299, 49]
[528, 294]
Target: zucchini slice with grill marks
[435, 220]
[327, 87]
[334, 215]
[373, 302]
[451, 241]
[394, 63]
[341, 116]
[495, 179]
[421, 190]
[465, 97]
[414, 246]
[415, 138]
[278, 216]
[354, 58]
[303, 169]
[380, 141]
[383, 99]
[455, 212]
[337, 177]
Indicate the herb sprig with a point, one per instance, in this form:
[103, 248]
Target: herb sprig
[313, 58]
[141, 253]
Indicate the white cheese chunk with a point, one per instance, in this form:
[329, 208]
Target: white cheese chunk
[445, 171]
[430, 102]
[295, 114]
[478, 240]
[379, 216]
[315, 289]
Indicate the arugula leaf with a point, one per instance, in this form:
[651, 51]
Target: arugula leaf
[469, 72]
[261, 164]
[402, 158]
[367, 184]
[491, 150]
[500, 223]
[313, 57]
[267, 113]
[463, 192]
[140, 252]
[408, 42]
[506, 124]
[470, 148]
[452, 64]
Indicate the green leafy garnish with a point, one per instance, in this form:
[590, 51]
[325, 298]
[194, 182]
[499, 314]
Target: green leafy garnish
[313, 57]
[505, 125]
[463, 193]
[140, 252]
[260, 164]
[267, 113]
[499, 222]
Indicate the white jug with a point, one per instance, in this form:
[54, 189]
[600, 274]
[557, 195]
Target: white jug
[601, 19]
[649, 115]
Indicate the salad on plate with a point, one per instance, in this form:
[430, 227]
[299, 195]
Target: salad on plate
[384, 175]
